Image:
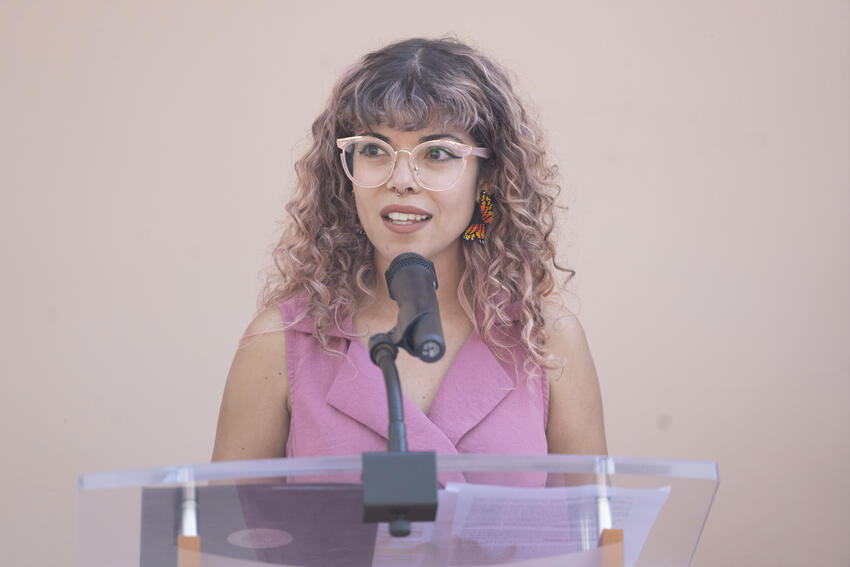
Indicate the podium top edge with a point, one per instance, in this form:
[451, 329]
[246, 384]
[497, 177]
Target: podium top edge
[301, 466]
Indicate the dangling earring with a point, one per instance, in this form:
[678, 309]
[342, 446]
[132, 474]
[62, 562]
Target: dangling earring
[481, 216]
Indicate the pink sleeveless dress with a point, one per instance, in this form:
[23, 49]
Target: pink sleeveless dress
[339, 403]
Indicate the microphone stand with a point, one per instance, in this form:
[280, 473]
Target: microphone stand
[399, 486]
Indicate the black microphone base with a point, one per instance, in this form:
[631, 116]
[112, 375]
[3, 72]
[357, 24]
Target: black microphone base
[399, 486]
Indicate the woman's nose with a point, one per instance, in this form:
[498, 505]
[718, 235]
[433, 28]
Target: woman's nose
[402, 179]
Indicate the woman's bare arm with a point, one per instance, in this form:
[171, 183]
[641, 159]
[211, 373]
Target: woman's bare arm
[575, 424]
[253, 422]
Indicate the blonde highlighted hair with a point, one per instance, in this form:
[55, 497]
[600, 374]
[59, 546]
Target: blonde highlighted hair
[410, 85]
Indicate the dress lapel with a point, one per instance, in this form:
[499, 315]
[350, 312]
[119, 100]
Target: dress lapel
[359, 392]
[475, 384]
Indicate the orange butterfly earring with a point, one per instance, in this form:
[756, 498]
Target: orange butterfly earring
[481, 216]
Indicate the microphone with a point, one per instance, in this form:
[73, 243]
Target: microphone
[400, 487]
[412, 283]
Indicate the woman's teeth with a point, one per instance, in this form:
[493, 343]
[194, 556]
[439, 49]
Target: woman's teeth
[407, 218]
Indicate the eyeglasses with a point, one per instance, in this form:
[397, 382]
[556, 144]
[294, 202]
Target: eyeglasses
[436, 165]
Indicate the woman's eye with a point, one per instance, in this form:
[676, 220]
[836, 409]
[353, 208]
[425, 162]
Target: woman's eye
[371, 150]
[439, 153]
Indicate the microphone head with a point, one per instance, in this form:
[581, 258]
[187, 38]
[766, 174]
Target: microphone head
[412, 283]
[404, 260]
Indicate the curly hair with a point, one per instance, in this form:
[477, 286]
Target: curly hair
[407, 86]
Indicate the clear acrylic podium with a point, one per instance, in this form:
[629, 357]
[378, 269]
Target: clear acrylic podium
[519, 510]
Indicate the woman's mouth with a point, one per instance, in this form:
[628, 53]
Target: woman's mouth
[405, 218]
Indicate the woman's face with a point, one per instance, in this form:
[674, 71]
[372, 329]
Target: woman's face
[401, 216]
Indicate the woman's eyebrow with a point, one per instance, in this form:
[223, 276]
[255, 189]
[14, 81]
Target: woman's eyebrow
[440, 137]
[428, 138]
[376, 135]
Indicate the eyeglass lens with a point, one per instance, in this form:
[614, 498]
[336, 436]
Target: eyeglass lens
[436, 164]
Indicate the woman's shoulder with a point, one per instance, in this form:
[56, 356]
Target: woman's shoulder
[565, 337]
[269, 320]
[277, 319]
[264, 337]
[558, 315]
[293, 309]
[290, 313]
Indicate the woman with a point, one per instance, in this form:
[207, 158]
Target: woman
[424, 148]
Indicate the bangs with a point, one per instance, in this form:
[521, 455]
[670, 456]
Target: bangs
[411, 95]
[408, 107]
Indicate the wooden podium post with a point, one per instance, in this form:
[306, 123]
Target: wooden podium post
[188, 538]
[188, 551]
[612, 543]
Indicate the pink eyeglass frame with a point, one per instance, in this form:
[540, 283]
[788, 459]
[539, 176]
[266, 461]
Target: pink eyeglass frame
[463, 149]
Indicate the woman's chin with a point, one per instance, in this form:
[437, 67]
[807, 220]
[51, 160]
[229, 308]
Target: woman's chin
[388, 252]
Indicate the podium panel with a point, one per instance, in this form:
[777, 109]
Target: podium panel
[519, 510]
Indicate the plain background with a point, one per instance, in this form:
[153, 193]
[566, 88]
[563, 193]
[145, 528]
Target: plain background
[146, 153]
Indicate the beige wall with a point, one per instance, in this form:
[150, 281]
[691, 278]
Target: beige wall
[146, 152]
